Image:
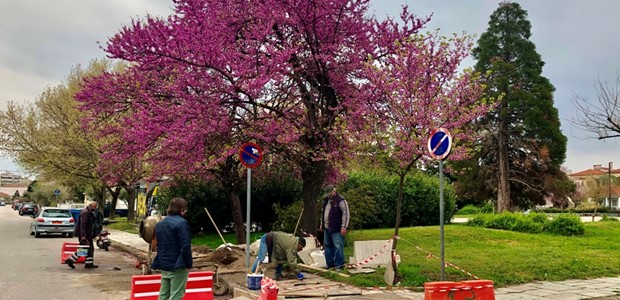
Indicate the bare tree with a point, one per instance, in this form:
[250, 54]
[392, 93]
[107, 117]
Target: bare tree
[601, 117]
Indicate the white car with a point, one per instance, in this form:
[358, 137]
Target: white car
[52, 220]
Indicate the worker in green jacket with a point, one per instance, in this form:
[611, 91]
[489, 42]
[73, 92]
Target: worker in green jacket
[281, 248]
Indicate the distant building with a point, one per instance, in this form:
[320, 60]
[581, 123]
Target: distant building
[8, 179]
[597, 178]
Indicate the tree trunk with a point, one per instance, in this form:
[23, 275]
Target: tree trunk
[131, 202]
[230, 182]
[99, 195]
[115, 193]
[235, 205]
[399, 204]
[313, 177]
[503, 188]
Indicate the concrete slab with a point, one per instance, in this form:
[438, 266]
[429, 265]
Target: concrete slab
[365, 249]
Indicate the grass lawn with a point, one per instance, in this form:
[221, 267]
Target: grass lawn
[120, 223]
[502, 256]
[214, 240]
[505, 257]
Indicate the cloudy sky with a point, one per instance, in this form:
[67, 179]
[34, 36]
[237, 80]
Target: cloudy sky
[578, 40]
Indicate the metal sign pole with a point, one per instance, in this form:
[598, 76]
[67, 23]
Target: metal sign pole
[441, 219]
[247, 222]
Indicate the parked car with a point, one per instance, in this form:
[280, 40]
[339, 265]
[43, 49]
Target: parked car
[254, 227]
[52, 220]
[28, 209]
[2, 203]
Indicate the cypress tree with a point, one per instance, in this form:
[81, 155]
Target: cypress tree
[519, 159]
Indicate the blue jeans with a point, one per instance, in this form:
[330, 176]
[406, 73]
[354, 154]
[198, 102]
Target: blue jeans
[333, 243]
[262, 252]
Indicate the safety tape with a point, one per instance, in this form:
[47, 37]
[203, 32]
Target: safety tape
[370, 258]
[429, 255]
[383, 250]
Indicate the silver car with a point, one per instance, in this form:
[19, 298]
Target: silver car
[52, 220]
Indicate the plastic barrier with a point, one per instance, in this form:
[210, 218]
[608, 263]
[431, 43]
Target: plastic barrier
[199, 286]
[440, 290]
[477, 289]
[464, 290]
[68, 249]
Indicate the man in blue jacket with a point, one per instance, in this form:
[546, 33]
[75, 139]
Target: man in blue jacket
[174, 251]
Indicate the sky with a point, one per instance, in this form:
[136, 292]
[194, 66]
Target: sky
[43, 40]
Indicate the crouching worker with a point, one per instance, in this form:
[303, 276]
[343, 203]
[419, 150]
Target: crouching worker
[281, 248]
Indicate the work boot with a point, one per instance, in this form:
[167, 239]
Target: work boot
[91, 266]
[69, 263]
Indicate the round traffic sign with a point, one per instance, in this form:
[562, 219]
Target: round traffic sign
[250, 155]
[440, 143]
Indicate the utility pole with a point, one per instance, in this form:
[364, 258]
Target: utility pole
[611, 165]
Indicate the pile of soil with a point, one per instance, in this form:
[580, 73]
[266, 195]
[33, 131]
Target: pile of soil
[228, 259]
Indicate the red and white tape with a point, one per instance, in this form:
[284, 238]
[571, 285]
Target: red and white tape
[429, 254]
[369, 259]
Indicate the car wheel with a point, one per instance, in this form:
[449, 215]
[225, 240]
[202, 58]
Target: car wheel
[21, 213]
[37, 235]
[31, 231]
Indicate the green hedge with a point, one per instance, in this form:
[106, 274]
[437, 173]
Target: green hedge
[562, 224]
[373, 199]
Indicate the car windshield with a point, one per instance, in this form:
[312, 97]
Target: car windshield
[56, 213]
[28, 205]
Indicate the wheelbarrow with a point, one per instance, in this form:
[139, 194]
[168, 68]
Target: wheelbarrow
[220, 285]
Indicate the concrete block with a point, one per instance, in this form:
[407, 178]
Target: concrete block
[365, 249]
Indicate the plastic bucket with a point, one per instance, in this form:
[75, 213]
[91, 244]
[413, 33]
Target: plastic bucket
[254, 281]
[82, 251]
[441, 290]
[477, 289]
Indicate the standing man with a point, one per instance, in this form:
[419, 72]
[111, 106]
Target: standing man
[174, 251]
[334, 223]
[281, 248]
[85, 231]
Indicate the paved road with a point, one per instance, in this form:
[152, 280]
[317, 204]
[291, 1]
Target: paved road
[30, 267]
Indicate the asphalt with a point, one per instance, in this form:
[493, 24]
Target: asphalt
[558, 290]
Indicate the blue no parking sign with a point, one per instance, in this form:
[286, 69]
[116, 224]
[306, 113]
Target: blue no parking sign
[439, 143]
[250, 155]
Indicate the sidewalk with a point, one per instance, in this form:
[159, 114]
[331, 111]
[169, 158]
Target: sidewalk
[559, 290]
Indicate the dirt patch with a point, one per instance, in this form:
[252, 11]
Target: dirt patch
[228, 259]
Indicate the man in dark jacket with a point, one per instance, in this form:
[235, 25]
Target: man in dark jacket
[85, 231]
[334, 224]
[174, 251]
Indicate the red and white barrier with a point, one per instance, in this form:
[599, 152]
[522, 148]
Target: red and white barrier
[199, 286]
[68, 249]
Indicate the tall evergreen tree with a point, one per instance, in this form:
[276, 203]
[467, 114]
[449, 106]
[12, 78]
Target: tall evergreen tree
[520, 157]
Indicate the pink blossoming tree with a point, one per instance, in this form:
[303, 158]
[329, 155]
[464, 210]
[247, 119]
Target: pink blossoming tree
[420, 88]
[287, 74]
